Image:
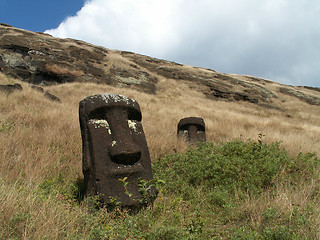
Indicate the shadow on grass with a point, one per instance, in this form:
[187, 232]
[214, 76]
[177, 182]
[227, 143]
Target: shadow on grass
[79, 190]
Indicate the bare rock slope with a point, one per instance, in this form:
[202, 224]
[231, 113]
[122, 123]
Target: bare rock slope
[41, 59]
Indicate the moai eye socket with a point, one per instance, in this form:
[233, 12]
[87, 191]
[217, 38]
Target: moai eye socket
[134, 120]
[133, 114]
[100, 123]
[98, 119]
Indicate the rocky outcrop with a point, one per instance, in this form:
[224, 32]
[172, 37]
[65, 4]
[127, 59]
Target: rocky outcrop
[35, 87]
[213, 84]
[9, 88]
[41, 59]
[52, 97]
[302, 96]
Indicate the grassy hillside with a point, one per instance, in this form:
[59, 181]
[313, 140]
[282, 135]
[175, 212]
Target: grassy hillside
[40, 168]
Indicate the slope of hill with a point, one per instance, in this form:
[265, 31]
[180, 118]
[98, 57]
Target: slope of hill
[40, 156]
[41, 59]
[262, 105]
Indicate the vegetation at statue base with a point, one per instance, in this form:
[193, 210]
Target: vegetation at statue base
[233, 190]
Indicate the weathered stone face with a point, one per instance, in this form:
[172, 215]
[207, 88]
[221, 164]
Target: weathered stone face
[192, 129]
[114, 147]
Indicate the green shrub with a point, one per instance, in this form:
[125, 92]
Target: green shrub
[279, 233]
[249, 166]
[165, 233]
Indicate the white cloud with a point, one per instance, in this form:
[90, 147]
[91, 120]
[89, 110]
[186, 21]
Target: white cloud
[276, 39]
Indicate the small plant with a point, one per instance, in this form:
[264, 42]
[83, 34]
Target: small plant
[114, 202]
[147, 189]
[260, 136]
[125, 183]
[5, 127]
[195, 226]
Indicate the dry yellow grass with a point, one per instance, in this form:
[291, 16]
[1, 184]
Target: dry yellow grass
[40, 139]
[283, 200]
[54, 68]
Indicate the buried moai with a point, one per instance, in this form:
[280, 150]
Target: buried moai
[114, 147]
[192, 129]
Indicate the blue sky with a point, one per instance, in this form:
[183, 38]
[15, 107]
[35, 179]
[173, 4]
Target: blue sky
[37, 15]
[273, 39]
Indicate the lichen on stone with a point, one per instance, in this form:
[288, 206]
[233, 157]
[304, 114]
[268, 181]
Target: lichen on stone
[133, 125]
[109, 97]
[100, 123]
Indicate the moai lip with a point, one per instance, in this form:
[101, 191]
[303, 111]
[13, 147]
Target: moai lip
[114, 147]
[192, 129]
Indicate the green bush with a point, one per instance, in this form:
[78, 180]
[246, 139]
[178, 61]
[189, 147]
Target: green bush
[249, 166]
[165, 233]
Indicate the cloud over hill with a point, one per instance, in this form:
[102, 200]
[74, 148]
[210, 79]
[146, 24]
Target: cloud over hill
[271, 39]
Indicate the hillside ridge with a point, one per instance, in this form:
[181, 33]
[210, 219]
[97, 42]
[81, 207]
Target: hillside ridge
[41, 59]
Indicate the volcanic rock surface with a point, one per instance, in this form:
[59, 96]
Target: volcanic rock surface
[41, 59]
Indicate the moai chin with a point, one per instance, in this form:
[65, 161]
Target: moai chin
[192, 129]
[114, 147]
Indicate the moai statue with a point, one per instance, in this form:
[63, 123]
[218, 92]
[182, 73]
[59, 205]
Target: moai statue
[114, 147]
[192, 129]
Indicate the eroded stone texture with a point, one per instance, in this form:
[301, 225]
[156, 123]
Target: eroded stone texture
[52, 97]
[37, 88]
[114, 147]
[11, 87]
[192, 129]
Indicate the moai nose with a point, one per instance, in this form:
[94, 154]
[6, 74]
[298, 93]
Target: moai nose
[123, 150]
[192, 133]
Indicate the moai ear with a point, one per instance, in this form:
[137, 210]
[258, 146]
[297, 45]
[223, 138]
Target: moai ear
[83, 119]
[192, 129]
[114, 147]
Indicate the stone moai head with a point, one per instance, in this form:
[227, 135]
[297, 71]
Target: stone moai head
[114, 147]
[192, 129]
